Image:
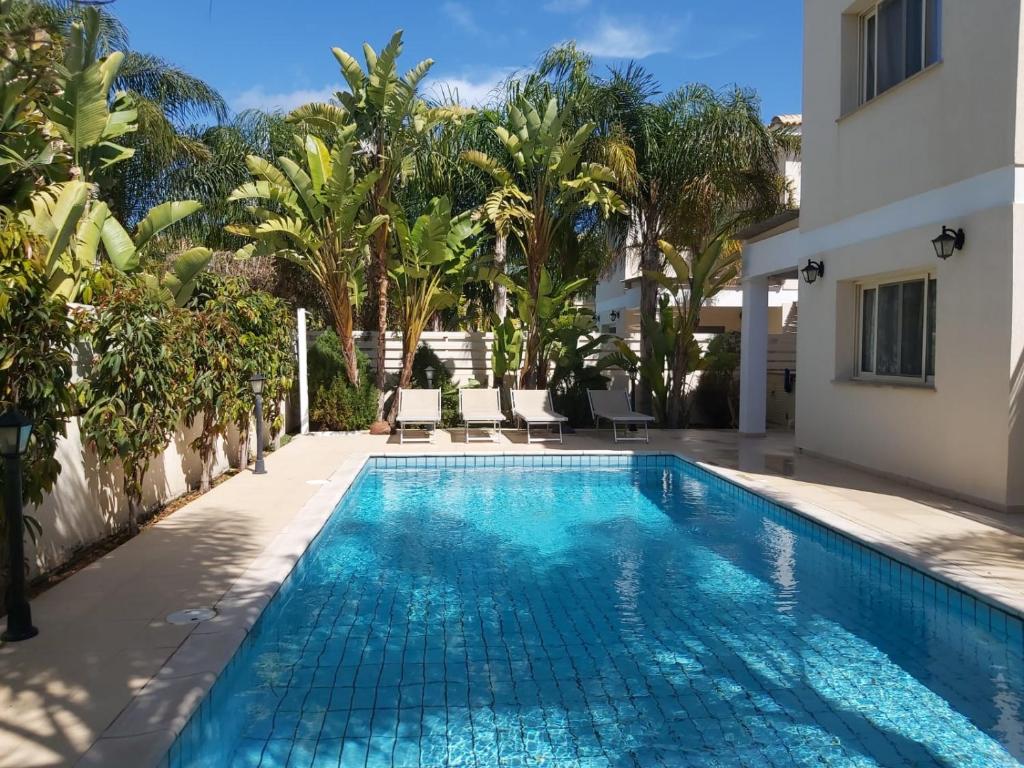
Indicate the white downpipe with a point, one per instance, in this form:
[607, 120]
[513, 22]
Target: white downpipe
[300, 330]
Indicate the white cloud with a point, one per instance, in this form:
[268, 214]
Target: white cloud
[473, 90]
[461, 15]
[617, 38]
[259, 98]
[566, 6]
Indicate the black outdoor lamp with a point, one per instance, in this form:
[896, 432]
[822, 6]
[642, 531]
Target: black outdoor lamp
[256, 381]
[15, 430]
[949, 241]
[813, 271]
[430, 376]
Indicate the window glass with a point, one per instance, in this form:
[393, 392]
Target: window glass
[867, 331]
[887, 349]
[869, 57]
[930, 334]
[890, 44]
[915, 40]
[933, 32]
[912, 328]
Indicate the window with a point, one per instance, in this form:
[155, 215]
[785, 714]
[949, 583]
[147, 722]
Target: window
[899, 38]
[897, 329]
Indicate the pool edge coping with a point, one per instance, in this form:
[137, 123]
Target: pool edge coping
[181, 686]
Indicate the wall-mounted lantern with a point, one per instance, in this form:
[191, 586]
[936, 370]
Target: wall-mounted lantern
[949, 241]
[813, 271]
[614, 315]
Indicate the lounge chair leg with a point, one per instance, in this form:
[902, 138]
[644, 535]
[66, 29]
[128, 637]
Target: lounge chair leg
[401, 434]
[559, 433]
[647, 434]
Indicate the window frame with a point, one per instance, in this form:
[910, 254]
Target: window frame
[868, 44]
[927, 276]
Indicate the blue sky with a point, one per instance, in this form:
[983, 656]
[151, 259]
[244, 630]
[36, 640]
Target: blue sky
[276, 53]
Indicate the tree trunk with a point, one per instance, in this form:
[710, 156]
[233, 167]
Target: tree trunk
[207, 451]
[348, 351]
[405, 379]
[650, 259]
[243, 445]
[676, 401]
[500, 291]
[133, 491]
[380, 278]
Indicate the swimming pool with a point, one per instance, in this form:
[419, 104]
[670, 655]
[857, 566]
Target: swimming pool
[604, 611]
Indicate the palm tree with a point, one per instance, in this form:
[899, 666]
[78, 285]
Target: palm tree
[704, 162]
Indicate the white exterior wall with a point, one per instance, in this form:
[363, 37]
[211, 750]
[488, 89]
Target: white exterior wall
[881, 179]
[87, 504]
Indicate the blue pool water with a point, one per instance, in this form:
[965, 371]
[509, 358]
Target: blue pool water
[632, 611]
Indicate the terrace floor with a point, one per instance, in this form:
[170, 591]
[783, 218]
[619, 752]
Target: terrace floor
[103, 635]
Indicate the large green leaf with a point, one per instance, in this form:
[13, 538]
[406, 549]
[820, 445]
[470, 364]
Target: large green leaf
[180, 279]
[119, 246]
[161, 217]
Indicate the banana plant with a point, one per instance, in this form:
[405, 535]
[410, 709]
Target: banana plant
[75, 233]
[311, 212]
[506, 348]
[541, 187]
[542, 310]
[83, 111]
[694, 279]
[390, 119]
[431, 263]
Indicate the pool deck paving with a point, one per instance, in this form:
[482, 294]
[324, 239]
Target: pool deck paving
[109, 682]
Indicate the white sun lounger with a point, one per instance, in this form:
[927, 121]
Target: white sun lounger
[483, 408]
[613, 406]
[419, 408]
[533, 406]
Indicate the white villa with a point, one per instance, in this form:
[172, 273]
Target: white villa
[912, 331]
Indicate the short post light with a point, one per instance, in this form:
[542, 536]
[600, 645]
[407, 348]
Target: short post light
[430, 376]
[256, 381]
[15, 431]
[949, 241]
[813, 271]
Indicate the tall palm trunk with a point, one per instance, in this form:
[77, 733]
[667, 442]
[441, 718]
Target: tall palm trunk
[676, 406]
[650, 259]
[500, 291]
[380, 284]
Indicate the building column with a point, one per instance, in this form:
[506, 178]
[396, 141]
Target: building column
[300, 331]
[754, 357]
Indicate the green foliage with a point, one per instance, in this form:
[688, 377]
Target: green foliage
[506, 348]
[311, 215]
[542, 186]
[336, 403]
[573, 339]
[430, 266]
[341, 406]
[695, 278]
[425, 358]
[264, 331]
[135, 391]
[325, 360]
[36, 338]
[717, 394]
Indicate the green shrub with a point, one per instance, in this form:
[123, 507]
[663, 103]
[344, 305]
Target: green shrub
[717, 394]
[334, 403]
[325, 361]
[342, 407]
[425, 358]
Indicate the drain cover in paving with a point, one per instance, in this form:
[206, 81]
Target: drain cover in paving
[191, 616]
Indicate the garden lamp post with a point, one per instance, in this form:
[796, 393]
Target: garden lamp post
[15, 430]
[256, 381]
[430, 376]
